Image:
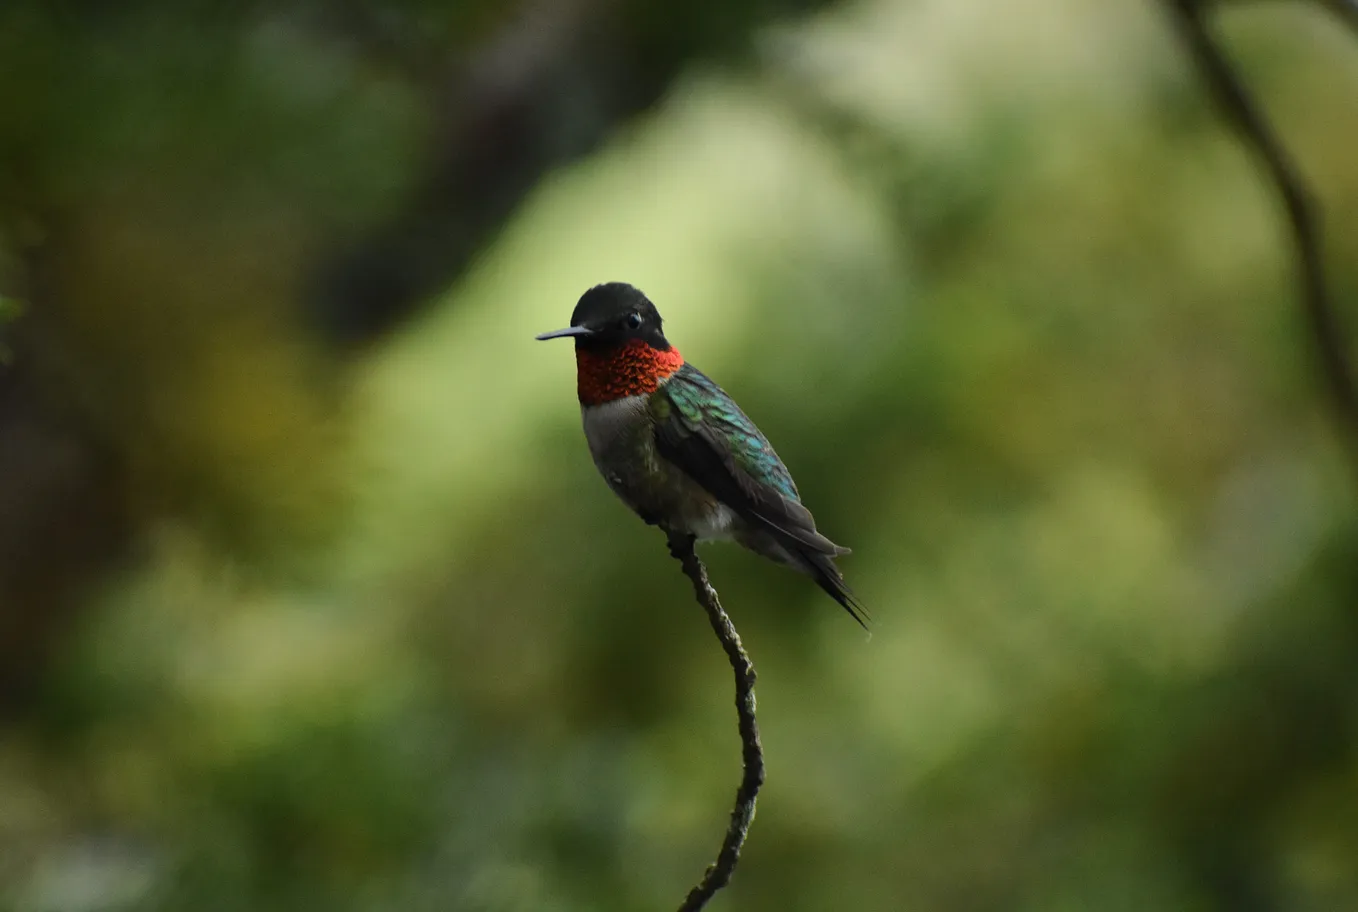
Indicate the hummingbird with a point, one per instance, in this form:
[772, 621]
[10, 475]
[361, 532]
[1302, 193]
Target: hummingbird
[678, 450]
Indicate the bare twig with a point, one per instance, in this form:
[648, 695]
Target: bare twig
[719, 872]
[1244, 116]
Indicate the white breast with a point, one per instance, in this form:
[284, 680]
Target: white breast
[623, 447]
[609, 423]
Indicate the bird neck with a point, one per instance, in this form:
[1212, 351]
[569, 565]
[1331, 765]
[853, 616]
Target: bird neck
[632, 369]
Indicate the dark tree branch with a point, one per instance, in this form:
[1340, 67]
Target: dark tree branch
[719, 873]
[1219, 828]
[1244, 115]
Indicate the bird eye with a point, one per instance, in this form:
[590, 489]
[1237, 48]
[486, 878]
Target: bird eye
[634, 321]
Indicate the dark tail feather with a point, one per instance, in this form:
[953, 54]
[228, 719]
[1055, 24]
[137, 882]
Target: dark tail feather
[814, 555]
[823, 570]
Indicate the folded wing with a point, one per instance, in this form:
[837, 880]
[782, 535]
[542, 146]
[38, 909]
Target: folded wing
[704, 433]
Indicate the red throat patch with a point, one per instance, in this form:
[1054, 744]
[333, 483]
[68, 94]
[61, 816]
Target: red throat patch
[635, 369]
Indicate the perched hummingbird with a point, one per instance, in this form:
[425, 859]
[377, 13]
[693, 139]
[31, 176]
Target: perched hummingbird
[678, 450]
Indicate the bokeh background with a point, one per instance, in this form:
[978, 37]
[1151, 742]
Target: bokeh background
[310, 597]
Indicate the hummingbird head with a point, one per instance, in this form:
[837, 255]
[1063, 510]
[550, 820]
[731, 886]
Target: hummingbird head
[620, 350]
[611, 316]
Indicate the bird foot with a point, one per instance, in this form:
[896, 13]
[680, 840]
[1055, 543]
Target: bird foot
[680, 544]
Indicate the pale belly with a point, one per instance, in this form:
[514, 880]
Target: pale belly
[622, 441]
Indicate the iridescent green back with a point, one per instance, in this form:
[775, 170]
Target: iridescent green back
[703, 408]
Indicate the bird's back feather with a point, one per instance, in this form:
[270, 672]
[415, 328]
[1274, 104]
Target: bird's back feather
[701, 431]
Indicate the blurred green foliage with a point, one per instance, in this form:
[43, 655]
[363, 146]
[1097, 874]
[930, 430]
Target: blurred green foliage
[1011, 304]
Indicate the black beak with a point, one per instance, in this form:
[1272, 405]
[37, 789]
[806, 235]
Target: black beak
[564, 333]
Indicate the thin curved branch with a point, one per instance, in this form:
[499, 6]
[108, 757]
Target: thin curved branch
[1241, 112]
[719, 872]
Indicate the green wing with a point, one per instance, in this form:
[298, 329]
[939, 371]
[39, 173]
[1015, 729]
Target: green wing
[710, 432]
[704, 433]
